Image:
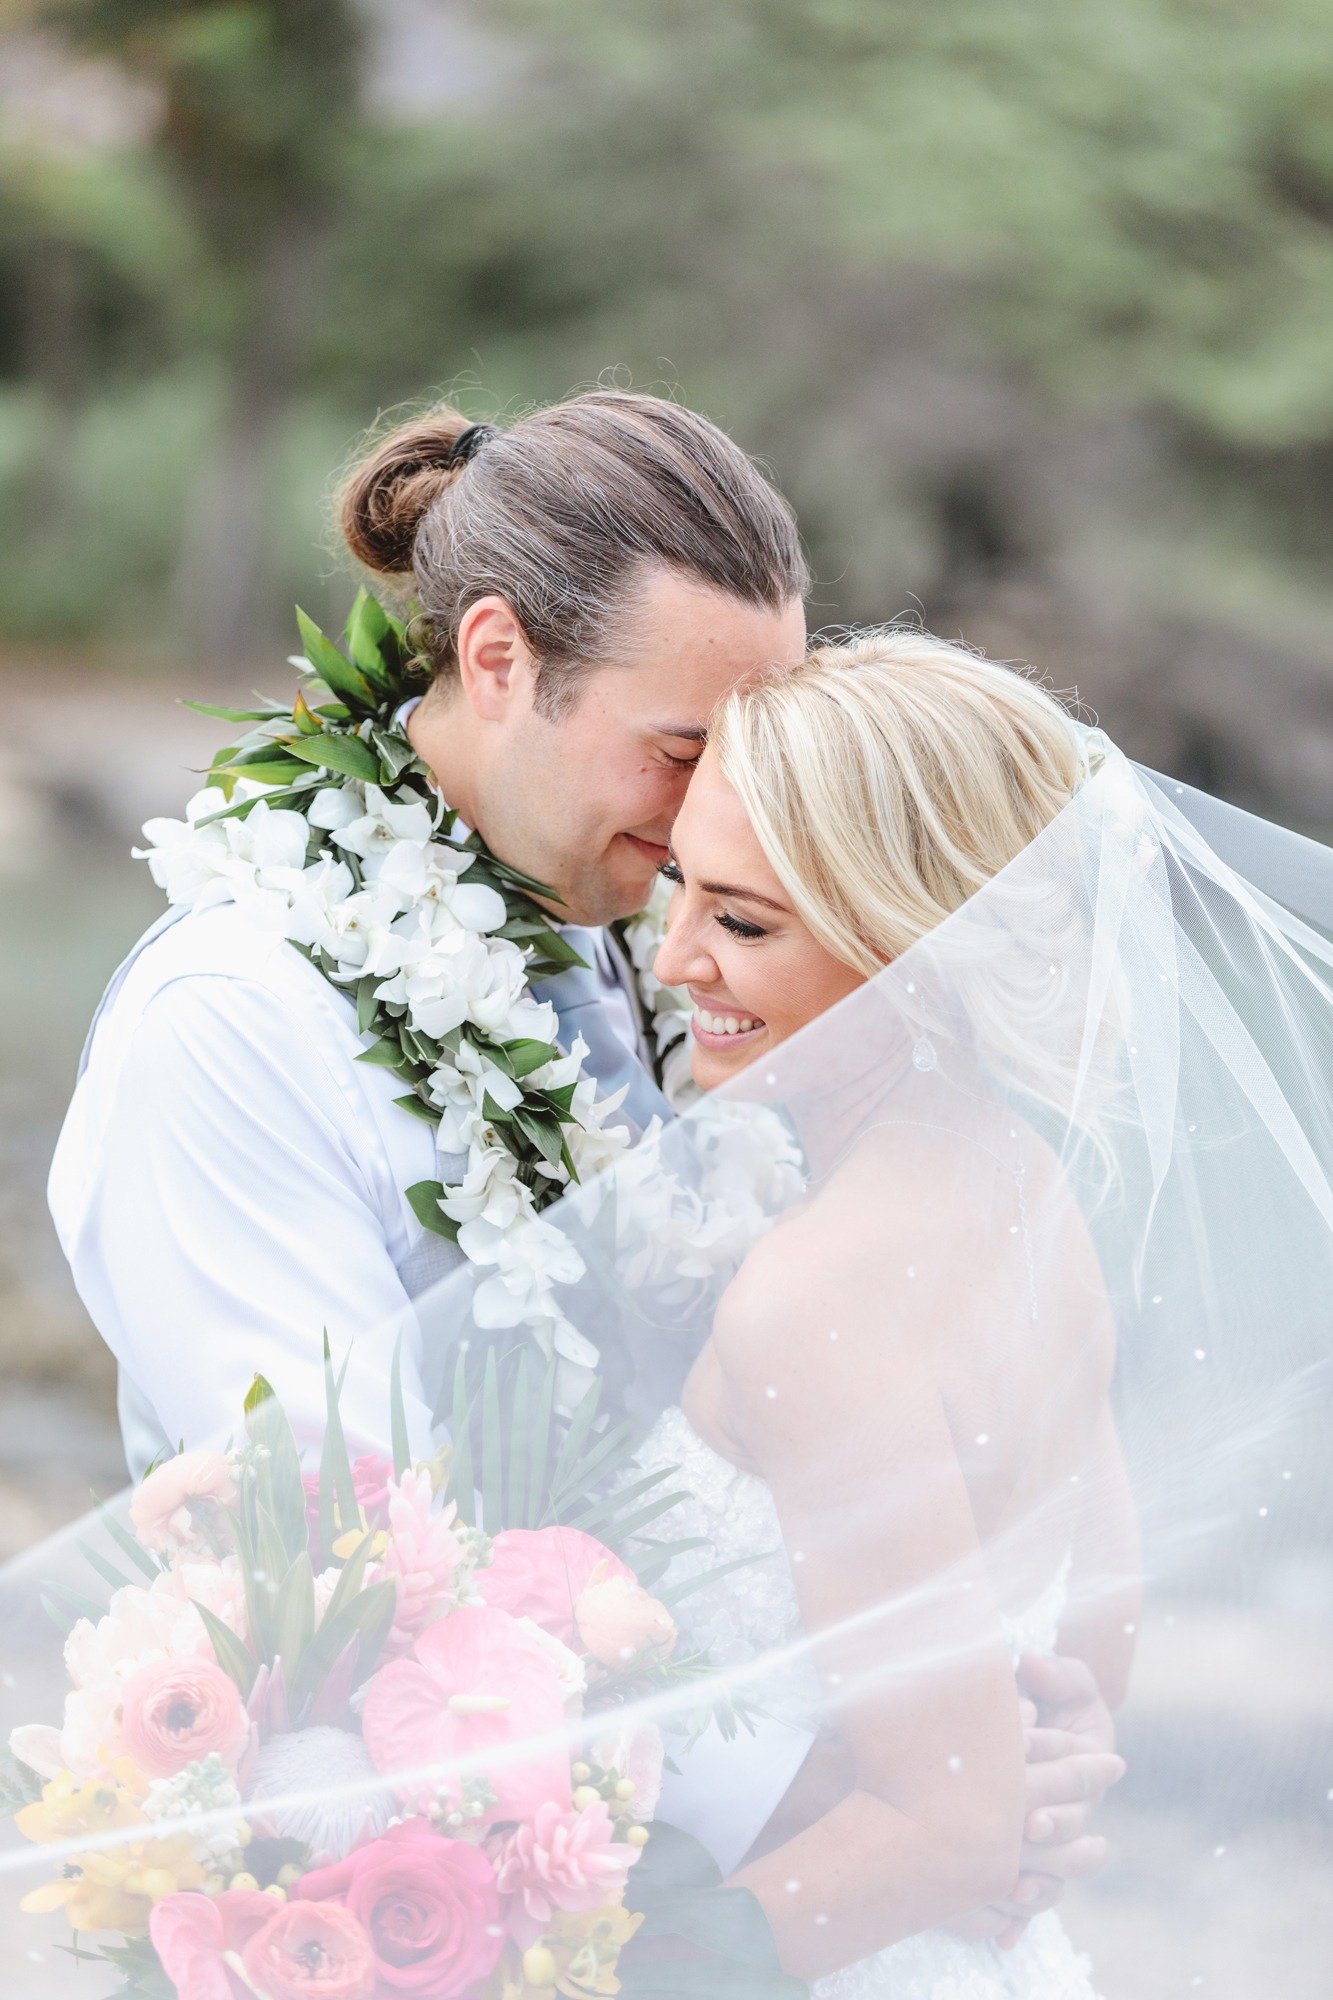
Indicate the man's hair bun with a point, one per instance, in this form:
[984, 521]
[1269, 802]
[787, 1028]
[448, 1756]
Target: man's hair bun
[388, 495]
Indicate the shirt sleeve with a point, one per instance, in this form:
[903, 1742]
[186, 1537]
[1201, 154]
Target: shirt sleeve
[230, 1224]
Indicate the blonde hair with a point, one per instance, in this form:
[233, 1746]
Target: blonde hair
[888, 778]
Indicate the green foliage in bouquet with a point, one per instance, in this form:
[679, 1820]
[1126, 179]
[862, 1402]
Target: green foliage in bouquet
[272, 1541]
[697, 1937]
[517, 1462]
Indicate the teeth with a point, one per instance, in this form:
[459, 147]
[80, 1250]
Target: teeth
[724, 1024]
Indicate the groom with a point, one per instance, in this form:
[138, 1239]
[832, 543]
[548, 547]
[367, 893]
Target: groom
[230, 1179]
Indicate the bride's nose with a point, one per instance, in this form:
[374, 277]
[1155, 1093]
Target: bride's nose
[683, 958]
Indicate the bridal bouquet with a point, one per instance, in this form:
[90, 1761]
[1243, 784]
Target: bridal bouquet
[329, 1737]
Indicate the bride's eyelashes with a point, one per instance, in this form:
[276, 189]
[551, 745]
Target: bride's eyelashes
[736, 926]
[739, 928]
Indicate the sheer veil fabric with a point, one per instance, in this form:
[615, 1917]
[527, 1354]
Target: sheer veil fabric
[989, 1315]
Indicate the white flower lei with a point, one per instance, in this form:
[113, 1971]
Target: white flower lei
[322, 825]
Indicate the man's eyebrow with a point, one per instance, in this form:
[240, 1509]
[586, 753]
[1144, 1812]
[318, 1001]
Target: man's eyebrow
[688, 732]
[743, 895]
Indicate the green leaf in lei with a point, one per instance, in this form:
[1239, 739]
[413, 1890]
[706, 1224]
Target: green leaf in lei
[269, 714]
[424, 1198]
[369, 634]
[333, 668]
[347, 754]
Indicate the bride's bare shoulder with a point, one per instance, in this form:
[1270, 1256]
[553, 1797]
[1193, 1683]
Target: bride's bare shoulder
[899, 1240]
[837, 1255]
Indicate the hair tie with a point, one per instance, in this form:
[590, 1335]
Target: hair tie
[469, 442]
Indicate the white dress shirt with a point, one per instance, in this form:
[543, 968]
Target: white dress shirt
[229, 1184]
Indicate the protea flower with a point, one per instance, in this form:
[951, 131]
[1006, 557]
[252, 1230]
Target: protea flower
[330, 1796]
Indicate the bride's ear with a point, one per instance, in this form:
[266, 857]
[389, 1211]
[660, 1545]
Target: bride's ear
[496, 666]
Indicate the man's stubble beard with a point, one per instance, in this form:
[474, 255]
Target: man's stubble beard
[597, 903]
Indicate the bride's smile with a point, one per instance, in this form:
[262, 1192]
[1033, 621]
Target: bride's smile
[715, 1025]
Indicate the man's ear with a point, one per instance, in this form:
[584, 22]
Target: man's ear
[496, 666]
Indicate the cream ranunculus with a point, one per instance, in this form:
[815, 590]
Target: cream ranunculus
[180, 1497]
[618, 1620]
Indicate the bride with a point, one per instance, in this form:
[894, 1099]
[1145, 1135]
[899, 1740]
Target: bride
[908, 1381]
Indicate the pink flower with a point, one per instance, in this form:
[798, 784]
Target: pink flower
[191, 1934]
[167, 1510]
[175, 1711]
[475, 1687]
[561, 1860]
[311, 1951]
[429, 1905]
[370, 1482]
[422, 1556]
[371, 1477]
[540, 1573]
[153, 1622]
[617, 1620]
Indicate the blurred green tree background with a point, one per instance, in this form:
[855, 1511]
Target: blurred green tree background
[1029, 306]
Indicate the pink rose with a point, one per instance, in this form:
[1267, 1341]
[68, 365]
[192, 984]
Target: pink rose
[540, 1573]
[429, 1905]
[617, 1620]
[311, 1951]
[561, 1860]
[475, 1686]
[191, 1935]
[370, 1479]
[167, 1510]
[175, 1711]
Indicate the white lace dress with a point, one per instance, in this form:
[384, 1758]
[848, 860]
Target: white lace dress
[754, 1611]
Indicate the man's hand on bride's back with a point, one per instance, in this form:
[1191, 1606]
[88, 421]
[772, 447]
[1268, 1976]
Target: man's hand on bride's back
[1072, 1764]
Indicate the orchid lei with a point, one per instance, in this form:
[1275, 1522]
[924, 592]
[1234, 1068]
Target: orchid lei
[322, 824]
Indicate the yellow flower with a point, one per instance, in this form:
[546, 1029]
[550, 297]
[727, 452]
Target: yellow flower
[586, 1948]
[347, 1545]
[114, 1888]
[99, 1805]
[111, 1888]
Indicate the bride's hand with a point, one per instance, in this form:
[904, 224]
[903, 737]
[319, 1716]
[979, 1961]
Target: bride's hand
[1070, 1738]
[1072, 1764]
